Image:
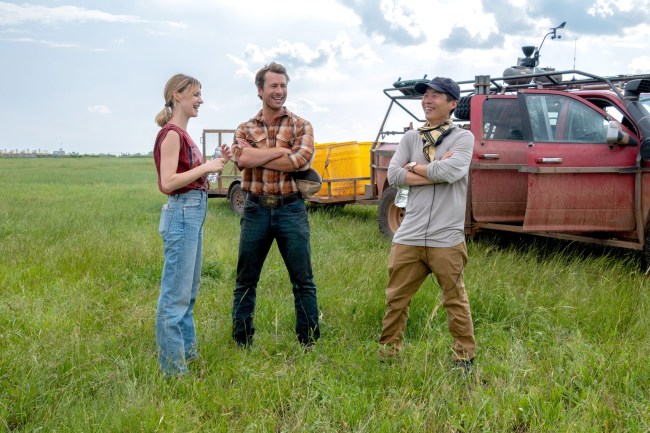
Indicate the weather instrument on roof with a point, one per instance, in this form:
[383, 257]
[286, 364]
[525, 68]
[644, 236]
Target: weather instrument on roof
[530, 63]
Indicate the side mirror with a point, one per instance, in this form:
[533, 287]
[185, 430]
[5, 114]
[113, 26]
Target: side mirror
[616, 135]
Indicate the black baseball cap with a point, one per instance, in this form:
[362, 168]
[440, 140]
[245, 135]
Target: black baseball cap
[440, 84]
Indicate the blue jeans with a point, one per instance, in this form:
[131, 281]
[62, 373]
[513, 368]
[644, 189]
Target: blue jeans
[181, 228]
[288, 225]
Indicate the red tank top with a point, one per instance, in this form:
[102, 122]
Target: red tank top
[189, 156]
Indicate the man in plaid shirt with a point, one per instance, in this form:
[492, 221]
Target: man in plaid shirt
[268, 148]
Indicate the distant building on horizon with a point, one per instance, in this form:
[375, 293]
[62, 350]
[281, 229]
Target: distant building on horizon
[59, 152]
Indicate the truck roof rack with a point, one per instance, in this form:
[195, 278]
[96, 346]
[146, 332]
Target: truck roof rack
[538, 80]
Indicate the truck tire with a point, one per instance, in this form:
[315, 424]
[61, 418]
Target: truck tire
[462, 110]
[237, 197]
[389, 216]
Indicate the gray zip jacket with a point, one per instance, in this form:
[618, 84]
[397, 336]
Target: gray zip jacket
[435, 214]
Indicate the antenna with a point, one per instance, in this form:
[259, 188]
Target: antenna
[554, 35]
[575, 43]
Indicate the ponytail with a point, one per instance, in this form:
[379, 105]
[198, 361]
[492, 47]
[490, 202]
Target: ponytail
[163, 116]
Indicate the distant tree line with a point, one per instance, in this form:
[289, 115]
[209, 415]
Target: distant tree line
[5, 153]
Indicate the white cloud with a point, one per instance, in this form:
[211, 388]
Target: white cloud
[325, 62]
[300, 104]
[343, 46]
[99, 109]
[12, 14]
[42, 42]
[244, 70]
[11, 31]
[400, 16]
[290, 52]
[391, 21]
[606, 7]
[640, 65]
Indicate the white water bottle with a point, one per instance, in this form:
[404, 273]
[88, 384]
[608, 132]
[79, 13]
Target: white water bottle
[214, 177]
[402, 196]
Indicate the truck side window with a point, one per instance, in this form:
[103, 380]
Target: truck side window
[557, 118]
[501, 119]
[614, 112]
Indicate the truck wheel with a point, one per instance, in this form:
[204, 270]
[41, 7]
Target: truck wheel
[237, 198]
[390, 216]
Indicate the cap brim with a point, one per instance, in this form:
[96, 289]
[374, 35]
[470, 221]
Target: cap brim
[421, 88]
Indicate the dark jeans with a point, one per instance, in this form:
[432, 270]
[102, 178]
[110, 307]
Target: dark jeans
[289, 226]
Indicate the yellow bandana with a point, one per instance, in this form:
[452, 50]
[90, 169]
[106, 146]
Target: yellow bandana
[433, 136]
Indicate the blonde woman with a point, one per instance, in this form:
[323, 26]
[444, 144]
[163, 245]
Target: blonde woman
[182, 173]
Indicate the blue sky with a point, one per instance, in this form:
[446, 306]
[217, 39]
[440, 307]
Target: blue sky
[88, 76]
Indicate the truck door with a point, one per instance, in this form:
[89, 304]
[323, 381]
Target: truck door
[577, 182]
[498, 184]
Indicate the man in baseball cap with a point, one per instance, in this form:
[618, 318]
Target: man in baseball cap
[433, 162]
[440, 84]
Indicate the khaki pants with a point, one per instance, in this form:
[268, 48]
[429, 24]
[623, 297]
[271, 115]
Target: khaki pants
[408, 267]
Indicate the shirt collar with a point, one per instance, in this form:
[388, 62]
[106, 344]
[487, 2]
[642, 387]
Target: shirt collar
[285, 113]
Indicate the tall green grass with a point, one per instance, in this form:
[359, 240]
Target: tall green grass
[563, 329]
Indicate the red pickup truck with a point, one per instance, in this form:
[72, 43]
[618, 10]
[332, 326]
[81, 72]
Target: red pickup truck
[567, 159]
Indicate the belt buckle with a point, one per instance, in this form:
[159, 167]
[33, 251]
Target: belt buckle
[270, 201]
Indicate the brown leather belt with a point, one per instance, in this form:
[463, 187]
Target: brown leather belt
[273, 201]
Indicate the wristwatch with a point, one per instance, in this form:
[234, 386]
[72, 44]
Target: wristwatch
[411, 165]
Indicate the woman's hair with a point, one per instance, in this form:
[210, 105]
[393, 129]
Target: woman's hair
[272, 67]
[178, 83]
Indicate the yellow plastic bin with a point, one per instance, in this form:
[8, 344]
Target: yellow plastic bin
[320, 157]
[342, 161]
[364, 163]
[364, 157]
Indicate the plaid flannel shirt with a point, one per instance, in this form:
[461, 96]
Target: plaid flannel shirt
[289, 131]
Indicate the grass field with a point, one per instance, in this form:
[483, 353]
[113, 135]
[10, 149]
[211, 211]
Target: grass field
[563, 329]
